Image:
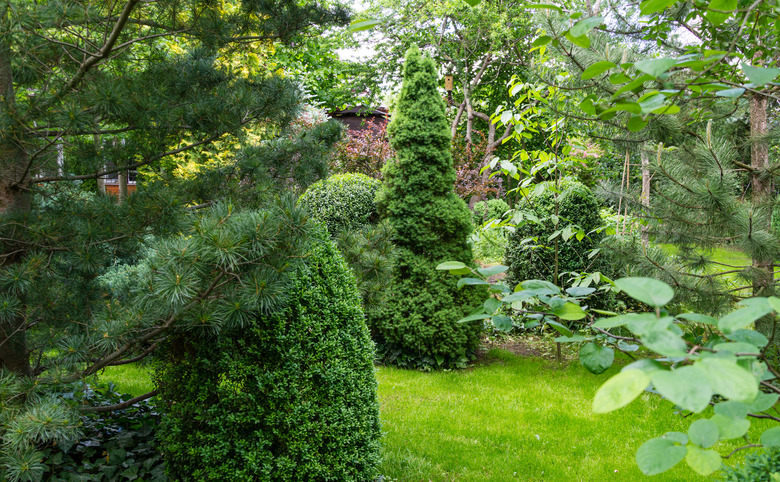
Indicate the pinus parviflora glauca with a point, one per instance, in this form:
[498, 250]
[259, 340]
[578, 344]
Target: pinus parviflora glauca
[417, 325]
[89, 89]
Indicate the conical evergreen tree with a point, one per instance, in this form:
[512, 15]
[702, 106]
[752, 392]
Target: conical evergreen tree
[431, 226]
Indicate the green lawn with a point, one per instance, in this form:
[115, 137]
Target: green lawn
[509, 418]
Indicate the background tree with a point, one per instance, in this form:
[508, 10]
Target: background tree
[431, 225]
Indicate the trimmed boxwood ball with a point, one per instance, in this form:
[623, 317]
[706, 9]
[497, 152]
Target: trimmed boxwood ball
[342, 201]
[536, 260]
[290, 397]
[491, 209]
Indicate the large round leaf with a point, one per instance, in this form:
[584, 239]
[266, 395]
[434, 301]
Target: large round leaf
[701, 461]
[597, 359]
[730, 380]
[659, 455]
[620, 390]
[771, 437]
[647, 290]
[703, 433]
[686, 387]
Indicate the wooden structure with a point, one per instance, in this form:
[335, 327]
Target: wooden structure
[361, 118]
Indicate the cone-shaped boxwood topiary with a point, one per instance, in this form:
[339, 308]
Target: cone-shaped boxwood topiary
[418, 321]
[291, 396]
[342, 201]
[536, 260]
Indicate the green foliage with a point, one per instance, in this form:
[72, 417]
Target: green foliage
[120, 445]
[342, 201]
[370, 253]
[531, 252]
[759, 467]
[484, 211]
[431, 225]
[288, 395]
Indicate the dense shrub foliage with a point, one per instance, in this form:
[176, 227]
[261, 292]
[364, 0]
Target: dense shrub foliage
[289, 396]
[762, 466]
[532, 255]
[342, 201]
[431, 224]
[491, 209]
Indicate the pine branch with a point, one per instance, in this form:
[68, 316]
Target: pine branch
[120, 406]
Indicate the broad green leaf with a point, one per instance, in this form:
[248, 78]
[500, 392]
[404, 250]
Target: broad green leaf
[482, 316]
[597, 69]
[655, 67]
[644, 365]
[597, 359]
[760, 75]
[763, 402]
[570, 311]
[664, 342]
[774, 302]
[491, 305]
[633, 85]
[580, 290]
[729, 428]
[703, 462]
[743, 317]
[697, 318]
[448, 265]
[636, 124]
[582, 27]
[518, 296]
[658, 455]
[622, 320]
[473, 3]
[543, 40]
[730, 380]
[643, 326]
[583, 41]
[771, 437]
[731, 93]
[736, 347]
[540, 285]
[502, 322]
[715, 9]
[619, 78]
[620, 390]
[492, 270]
[704, 433]
[587, 106]
[652, 103]
[732, 409]
[647, 290]
[562, 329]
[686, 387]
[360, 25]
[649, 7]
[471, 282]
[667, 110]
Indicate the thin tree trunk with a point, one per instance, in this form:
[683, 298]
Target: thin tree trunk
[645, 198]
[761, 184]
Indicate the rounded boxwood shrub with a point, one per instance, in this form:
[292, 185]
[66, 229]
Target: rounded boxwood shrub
[342, 201]
[290, 396]
[535, 259]
[491, 209]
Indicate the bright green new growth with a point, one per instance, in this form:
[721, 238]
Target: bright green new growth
[289, 395]
[342, 201]
[431, 225]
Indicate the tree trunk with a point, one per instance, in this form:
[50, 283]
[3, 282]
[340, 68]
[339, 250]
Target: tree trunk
[645, 197]
[14, 180]
[761, 185]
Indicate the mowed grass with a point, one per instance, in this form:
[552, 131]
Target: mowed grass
[509, 418]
